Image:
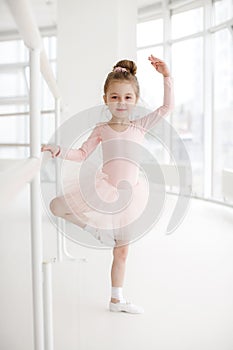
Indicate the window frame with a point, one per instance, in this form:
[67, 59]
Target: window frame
[165, 11]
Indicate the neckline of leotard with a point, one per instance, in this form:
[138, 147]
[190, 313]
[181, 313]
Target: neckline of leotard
[120, 132]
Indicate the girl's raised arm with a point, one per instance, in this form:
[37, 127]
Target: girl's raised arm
[77, 155]
[150, 120]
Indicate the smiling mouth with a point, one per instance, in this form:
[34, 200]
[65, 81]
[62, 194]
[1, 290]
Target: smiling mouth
[121, 110]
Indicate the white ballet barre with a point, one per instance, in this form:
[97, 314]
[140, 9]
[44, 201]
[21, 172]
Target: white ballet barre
[23, 114]
[14, 174]
[25, 21]
[227, 184]
[48, 305]
[62, 251]
[48, 75]
[61, 240]
[27, 27]
[24, 18]
[36, 225]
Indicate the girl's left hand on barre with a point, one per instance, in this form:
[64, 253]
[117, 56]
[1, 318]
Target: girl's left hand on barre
[53, 149]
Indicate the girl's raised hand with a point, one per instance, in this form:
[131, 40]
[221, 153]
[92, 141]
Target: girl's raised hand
[159, 65]
[53, 149]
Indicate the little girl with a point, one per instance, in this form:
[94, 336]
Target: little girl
[121, 93]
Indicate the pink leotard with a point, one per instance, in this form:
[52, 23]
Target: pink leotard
[122, 169]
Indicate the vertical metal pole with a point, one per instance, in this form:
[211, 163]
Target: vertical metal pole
[167, 58]
[208, 144]
[36, 232]
[57, 141]
[61, 239]
[48, 306]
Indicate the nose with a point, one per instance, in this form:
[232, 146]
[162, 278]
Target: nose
[121, 99]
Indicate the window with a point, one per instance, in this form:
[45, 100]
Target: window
[223, 106]
[186, 44]
[186, 23]
[223, 11]
[13, 51]
[151, 86]
[150, 33]
[13, 83]
[151, 95]
[14, 90]
[187, 64]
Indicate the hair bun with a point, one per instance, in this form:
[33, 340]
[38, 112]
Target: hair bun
[127, 64]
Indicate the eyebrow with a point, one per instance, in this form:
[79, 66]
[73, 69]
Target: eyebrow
[115, 93]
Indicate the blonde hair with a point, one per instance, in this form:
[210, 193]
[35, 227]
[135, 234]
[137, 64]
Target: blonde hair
[128, 75]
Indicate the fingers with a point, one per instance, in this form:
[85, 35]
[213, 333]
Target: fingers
[154, 59]
[45, 148]
[159, 65]
[53, 149]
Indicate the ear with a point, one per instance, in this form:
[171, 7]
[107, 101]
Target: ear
[105, 99]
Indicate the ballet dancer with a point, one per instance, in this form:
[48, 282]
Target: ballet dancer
[121, 94]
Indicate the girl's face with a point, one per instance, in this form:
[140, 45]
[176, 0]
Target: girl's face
[121, 99]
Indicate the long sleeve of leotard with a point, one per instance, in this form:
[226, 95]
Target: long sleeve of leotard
[148, 121]
[80, 154]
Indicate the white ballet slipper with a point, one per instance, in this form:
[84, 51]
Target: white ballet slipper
[126, 307]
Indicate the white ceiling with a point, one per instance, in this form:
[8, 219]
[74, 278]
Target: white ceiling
[44, 10]
[45, 13]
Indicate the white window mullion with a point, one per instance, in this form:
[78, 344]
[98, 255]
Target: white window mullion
[208, 102]
[167, 59]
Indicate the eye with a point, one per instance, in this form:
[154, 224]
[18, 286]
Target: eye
[114, 97]
[128, 97]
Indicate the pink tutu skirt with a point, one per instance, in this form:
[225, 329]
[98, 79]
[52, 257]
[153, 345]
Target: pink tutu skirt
[80, 201]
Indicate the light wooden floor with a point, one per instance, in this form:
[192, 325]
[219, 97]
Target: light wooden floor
[184, 281]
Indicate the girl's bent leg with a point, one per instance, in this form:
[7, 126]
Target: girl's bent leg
[59, 207]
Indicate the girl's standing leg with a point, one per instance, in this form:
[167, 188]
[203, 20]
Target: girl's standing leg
[118, 303]
[120, 254]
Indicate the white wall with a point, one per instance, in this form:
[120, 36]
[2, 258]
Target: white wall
[92, 37]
